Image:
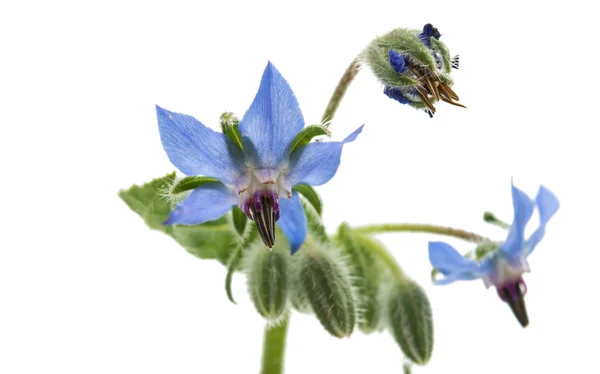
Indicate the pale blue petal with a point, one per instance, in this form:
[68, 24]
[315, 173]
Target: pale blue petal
[273, 119]
[197, 150]
[206, 203]
[456, 277]
[292, 221]
[547, 205]
[523, 207]
[448, 261]
[316, 163]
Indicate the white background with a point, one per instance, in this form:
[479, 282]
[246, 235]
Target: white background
[85, 287]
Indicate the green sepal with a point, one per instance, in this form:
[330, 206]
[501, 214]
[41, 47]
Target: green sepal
[239, 220]
[316, 228]
[483, 249]
[440, 47]
[311, 196]
[365, 272]
[325, 283]
[234, 262]
[189, 183]
[268, 273]
[236, 256]
[307, 134]
[410, 320]
[210, 240]
[230, 127]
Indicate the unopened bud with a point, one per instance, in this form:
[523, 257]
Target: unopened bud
[365, 271]
[325, 283]
[409, 317]
[414, 67]
[268, 281]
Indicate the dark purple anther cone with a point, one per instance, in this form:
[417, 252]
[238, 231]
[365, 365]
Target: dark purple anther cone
[263, 208]
[513, 293]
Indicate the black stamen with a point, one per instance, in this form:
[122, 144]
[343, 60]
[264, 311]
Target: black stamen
[513, 295]
[263, 215]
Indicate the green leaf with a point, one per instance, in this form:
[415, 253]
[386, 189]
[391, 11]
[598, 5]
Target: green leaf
[239, 219]
[305, 136]
[311, 195]
[229, 125]
[211, 240]
[190, 183]
[149, 202]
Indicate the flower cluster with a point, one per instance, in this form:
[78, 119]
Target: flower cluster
[414, 67]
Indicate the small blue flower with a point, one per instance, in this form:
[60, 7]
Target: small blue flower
[504, 266]
[258, 178]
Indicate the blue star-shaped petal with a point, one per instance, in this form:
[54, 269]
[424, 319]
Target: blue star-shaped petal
[260, 176]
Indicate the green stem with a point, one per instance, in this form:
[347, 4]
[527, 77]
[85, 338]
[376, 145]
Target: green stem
[490, 217]
[274, 348]
[384, 256]
[340, 90]
[416, 227]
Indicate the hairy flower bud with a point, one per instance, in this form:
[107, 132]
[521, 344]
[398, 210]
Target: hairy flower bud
[410, 319]
[268, 281]
[365, 273]
[325, 283]
[414, 67]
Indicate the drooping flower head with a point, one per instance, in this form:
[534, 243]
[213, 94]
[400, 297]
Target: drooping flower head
[256, 175]
[414, 67]
[502, 264]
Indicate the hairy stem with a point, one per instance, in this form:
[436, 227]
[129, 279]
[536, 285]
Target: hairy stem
[416, 227]
[274, 348]
[340, 90]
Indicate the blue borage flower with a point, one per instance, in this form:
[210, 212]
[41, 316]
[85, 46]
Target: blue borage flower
[503, 265]
[260, 176]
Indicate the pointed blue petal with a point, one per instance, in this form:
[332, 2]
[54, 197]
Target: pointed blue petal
[547, 205]
[273, 119]
[317, 163]
[523, 207]
[292, 221]
[197, 150]
[206, 203]
[448, 261]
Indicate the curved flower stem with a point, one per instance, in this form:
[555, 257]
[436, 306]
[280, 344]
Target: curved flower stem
[388, 260]
[416, 227]
[340, 90]
[274, 348]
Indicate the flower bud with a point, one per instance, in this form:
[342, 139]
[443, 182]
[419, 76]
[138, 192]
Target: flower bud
[365, 271]
[324, 282]
[409, 318]
[414, 67]
[268, 281]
